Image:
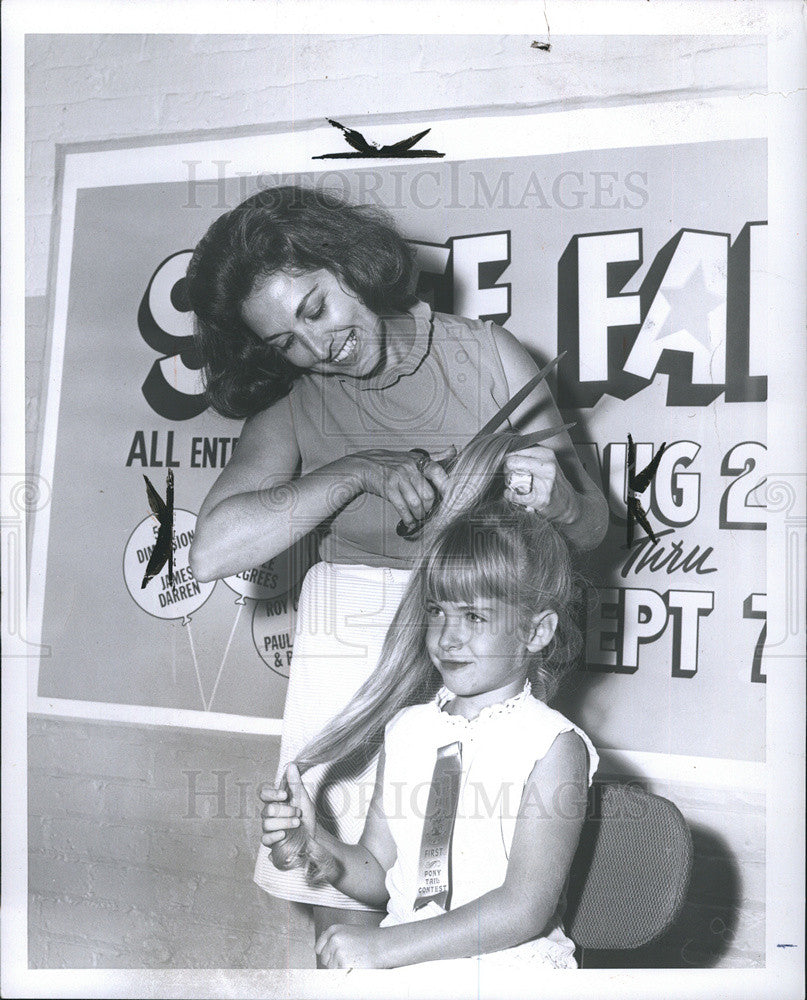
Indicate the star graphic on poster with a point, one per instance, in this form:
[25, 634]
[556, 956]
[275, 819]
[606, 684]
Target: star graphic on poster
[690, 306]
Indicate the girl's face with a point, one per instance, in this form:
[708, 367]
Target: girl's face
[478, 648]
[316, 324]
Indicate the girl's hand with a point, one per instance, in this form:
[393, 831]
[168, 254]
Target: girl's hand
[345, 946]
[283, 812]
[411, 486]
[533, 479]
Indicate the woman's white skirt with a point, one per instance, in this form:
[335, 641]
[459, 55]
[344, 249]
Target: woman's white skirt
[342, 618]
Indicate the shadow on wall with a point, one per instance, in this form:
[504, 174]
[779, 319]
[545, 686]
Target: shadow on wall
[705, 933]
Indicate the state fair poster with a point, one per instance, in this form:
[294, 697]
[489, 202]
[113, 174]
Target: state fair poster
[640, 256]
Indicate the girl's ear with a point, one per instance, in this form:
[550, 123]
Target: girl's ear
[542, 630]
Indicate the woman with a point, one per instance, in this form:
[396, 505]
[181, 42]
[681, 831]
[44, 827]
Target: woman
[308, 326]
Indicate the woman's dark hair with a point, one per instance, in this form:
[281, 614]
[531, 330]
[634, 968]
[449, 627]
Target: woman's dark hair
[292, 229]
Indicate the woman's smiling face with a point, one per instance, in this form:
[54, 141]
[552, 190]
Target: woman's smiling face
[316, 323]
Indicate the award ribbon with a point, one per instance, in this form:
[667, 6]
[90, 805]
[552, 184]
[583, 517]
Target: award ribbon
[434, 866]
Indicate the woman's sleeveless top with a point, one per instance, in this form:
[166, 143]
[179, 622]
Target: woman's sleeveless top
[449, 385]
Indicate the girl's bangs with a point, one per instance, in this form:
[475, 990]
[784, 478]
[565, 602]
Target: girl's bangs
[470, 561]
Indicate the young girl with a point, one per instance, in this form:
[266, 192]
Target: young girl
[481, 788]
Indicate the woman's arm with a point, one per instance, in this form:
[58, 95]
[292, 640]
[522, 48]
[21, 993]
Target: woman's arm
[564, 490]
[246, 517]
[550, 818]
[257, 509]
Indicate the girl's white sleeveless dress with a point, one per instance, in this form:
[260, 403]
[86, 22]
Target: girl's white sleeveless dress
[499, 750]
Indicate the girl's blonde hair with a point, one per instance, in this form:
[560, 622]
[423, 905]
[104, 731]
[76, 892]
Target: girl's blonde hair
[477, 545]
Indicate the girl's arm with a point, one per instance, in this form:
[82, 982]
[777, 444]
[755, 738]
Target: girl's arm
[563, 490]
[258, 509]
[550, 818]
[363, 866]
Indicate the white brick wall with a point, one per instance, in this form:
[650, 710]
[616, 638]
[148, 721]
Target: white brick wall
[127, 869]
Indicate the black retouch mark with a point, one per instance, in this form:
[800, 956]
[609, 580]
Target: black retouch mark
[163, 550]
[364, 149]
[637, 484]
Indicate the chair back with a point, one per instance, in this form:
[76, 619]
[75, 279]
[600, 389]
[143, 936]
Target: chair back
[630, 875]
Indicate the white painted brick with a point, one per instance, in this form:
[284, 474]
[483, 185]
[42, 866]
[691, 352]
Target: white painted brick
[38, 947]
[493, 86]
[209, 946]
[38, 50]
[53, 84]
[143, 804]
[95, 921]
[35, 338]
[98, 752]
[42, 158]
[295, 916]
[455, 53]
[38, 833]
[175, 850]
[725, 929]
[45, 122]
[36, 269]
[61, 50]
[144, 888]
[257, 67]
[178, 73]
[214, 901]
[753, 881]
[84, 955]
[95, 118]
[742, 960]
[51, 795]
[266, 951]
[88, 839]
[153, 951]
[214, 44]
[172, 760]
[39, 195]
[52, 875]
[316, 57]
[741, 836]
[114, 48]
[37, 233]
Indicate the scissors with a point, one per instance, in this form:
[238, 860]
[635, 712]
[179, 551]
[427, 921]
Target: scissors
[522, 441]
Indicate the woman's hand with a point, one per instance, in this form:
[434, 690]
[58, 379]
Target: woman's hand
[346, 946]
[284, 811]
[533, 479]
[411, 485]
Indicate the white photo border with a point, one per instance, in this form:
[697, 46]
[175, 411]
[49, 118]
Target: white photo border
[785, 111]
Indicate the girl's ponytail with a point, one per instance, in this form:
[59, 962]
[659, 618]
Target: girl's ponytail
[523, 561]
[298, 849]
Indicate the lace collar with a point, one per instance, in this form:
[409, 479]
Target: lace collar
[444, 696]
[422, 315]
